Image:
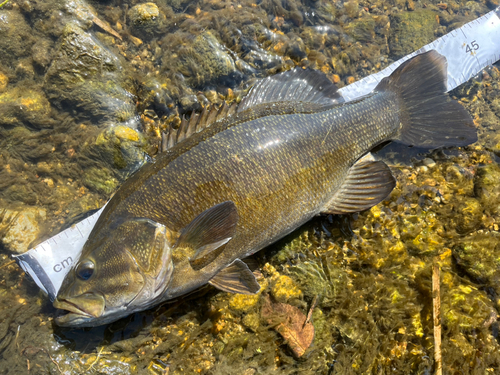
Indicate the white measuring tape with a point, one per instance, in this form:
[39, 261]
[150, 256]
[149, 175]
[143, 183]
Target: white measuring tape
[468, 50]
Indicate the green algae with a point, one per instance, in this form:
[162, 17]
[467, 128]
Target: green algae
[411, 31]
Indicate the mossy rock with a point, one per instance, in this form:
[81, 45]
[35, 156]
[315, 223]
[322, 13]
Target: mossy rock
[80, 56]
[23, 105]
[86, 76]
[411, 31]
[145, 19]
[469, 214]
[479, 256]
[119, 147]
[20, 227]
[463, 307]
[101, 180]
[206, 61]
[362, 29]
[16, 38]
[487, 186]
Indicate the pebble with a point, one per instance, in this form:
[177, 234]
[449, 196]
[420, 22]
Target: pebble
[428, 162]
[3, 81]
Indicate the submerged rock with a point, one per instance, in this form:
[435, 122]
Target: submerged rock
[23, 105]
[4, 80]
[487, 186]
[101, 180]
[145, 19]
[362, 29]
[86, 76]
[20, 227]
[411, 31]
[115, 153]
[284, 289]
[469, 215]
[16, 38]
[479, 256]
[207, 61]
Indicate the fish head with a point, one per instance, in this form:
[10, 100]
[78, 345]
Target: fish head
[125, 270]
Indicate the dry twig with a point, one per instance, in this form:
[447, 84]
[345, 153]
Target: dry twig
[436, 310]
[31, 350]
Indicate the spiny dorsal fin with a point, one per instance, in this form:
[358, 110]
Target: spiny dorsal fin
[368, 182]
[296, 85]
[195, 124]
[236, 278]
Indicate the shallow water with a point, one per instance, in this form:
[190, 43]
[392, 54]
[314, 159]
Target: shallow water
[79, 107]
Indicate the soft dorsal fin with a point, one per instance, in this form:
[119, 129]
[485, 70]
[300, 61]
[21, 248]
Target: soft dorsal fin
[196, 123]
[236, 278]
[296, 85]
[208, 233]
[368, 182]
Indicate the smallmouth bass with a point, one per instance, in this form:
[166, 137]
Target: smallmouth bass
[234, 181]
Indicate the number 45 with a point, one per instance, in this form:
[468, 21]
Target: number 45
[473, 46]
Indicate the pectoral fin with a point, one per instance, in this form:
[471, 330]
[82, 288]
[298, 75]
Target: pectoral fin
[368, 182]
[236, 278]
[208, 233]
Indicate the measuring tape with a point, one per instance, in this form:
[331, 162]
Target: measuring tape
[468, 50]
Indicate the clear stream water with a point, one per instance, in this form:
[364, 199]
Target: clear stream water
[86, 88]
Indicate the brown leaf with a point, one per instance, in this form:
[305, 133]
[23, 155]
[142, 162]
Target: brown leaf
[290, 323]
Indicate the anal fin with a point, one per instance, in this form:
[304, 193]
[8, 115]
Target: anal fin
[368, 183]
[236, 278]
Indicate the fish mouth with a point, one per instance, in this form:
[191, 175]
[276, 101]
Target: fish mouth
[79, 310]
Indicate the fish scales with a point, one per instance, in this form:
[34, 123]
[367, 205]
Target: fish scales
[220, 195]
[288, 167]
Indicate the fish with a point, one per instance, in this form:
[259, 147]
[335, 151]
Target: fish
[233, 180]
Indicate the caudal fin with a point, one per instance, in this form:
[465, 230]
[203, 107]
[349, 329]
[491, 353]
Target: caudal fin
[429, 117]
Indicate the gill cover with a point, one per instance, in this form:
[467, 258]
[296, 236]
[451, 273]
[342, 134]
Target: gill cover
[122, 272]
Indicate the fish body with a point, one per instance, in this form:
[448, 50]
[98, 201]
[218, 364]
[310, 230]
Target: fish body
[212, 199]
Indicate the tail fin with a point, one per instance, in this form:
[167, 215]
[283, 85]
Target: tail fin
[430, 118]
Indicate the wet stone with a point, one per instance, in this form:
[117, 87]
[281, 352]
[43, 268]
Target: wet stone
[20, 227]
[101, 180]
[362, 29]
[251, 321]
[207, 61]
[479, 256]
[284, 289]
[117, 148]
[4, 80]
[16, 38]
[487, 186]
[85, 74]
[145, 18]
[411, 31]
[41, 53]
[23, 105]
[469, 214]
[428, 162]
[243, 302]
[81, 11]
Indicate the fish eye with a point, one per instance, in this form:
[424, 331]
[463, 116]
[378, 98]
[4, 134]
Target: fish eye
[85, 269]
